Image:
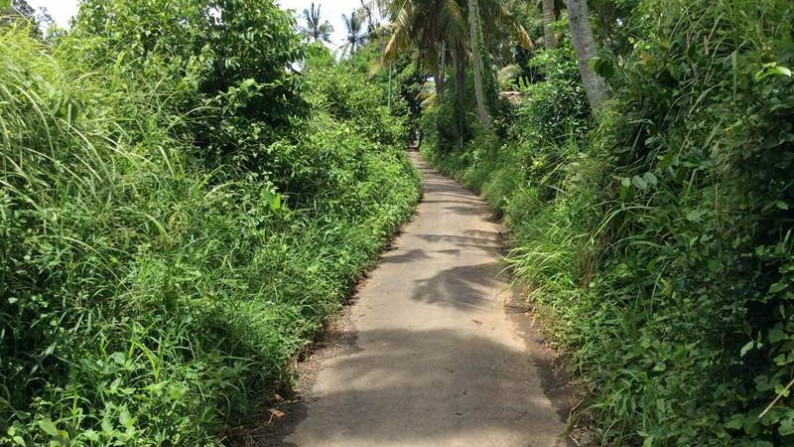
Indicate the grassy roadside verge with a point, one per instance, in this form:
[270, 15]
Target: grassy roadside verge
[656, 237]
[162, 263]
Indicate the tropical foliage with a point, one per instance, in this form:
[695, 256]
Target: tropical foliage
[653, 230]
[450, 29]
[180, 210]
[315, 28]
[354, 25]
[189, 188]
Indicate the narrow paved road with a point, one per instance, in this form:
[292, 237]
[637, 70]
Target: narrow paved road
[436, 361]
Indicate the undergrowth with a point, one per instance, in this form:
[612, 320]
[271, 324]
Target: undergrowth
[656, 236]
[171, 235]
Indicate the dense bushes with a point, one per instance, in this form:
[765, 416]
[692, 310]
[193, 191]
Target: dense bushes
[659, 243]
[158, 274]
[225, 64]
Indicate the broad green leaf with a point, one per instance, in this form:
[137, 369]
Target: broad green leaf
[624, 181]
[695, 215]
[640, 183]
[648, 442]
[275, 205]
[781, 71]
[91, 435]
[49, 427]
[777, 334]
[786, 427]
[125, 419]
[746, 348]
[772, 69]
[736, 422]
[107, 425]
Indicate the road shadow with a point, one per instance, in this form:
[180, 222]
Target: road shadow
[487, 242]
[442, 187]
[467, 287]
[420, 386]
[404, 258]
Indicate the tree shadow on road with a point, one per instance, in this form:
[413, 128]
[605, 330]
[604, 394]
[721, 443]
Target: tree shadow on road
[404, 258]
[489, 244]
[464, 287]
[422, 388]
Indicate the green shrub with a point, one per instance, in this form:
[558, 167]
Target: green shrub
[699, 228]
[346, 90]
[146, 298]
[224, 63]
[657, 236]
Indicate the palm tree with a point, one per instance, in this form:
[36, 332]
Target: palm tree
[425, 24]
[355, 37]
[585, 46]
[475, 34]
[440, 27]
[373, 13]
[549, 39]
[316, 29]
[435, 29]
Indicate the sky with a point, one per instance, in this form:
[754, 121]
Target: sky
[60, 10]
[331, 10]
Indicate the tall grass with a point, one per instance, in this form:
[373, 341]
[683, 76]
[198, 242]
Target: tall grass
[656, 237]
[148, 300]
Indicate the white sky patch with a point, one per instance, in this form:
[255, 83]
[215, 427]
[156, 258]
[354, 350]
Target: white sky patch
[60, 10]
[63, 10]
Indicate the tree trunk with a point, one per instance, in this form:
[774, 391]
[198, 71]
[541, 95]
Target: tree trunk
[458, 56]
[436, 78]
[441, 79]
[475, 33]
[584, 44]
[550, 40]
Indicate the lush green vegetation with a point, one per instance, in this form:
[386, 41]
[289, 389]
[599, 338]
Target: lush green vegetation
[180, 211]
[189, 188]
[654, 234]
